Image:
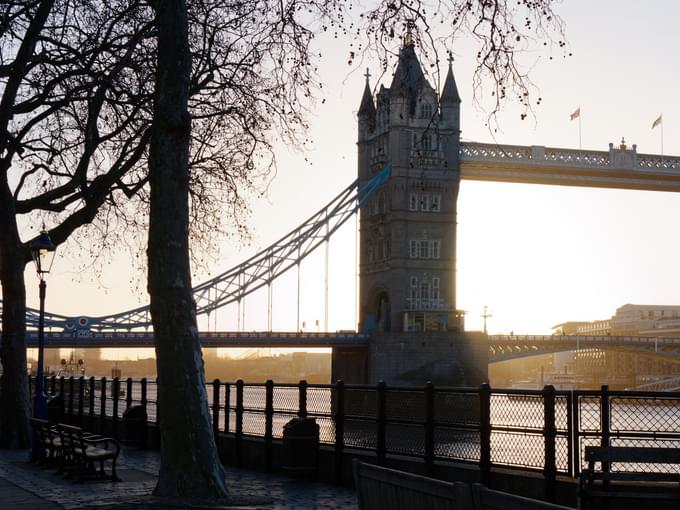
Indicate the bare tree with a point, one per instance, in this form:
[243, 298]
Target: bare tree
[79, 87]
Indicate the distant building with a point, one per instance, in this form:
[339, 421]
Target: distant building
[629, 320]
[567, 328]
[646, 320]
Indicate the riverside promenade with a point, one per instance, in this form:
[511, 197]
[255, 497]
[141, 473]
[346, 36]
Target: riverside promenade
[24, 486]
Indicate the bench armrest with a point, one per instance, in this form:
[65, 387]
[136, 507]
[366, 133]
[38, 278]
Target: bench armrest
[105, 441]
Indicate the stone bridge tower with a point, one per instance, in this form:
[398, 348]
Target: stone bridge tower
[407, 263]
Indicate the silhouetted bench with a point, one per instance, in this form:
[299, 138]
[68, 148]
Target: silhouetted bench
[389, 489]
[484, 498]
[633, 480]
[380, 488]
[49, 439]
[81, 452]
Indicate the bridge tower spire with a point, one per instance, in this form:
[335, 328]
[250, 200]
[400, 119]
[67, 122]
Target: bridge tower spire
[407, 261]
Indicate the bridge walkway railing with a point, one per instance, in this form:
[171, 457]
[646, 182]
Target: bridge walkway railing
[544, 431]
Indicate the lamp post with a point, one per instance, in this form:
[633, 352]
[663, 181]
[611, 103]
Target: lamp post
[42, 251]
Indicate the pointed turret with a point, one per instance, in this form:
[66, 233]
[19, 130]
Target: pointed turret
[408, 77]
[450, 99]
[450, 92]
[366, 111]
[367, 105]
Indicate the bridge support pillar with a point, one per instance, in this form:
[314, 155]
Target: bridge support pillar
[350, 364]
[445, 358]
[412, 359]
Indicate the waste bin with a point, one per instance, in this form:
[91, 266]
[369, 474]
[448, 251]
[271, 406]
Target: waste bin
[55, 409]
[301, 447]
[134, 426]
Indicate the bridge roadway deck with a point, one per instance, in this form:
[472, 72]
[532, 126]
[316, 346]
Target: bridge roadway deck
[501, 347]
[83, 339]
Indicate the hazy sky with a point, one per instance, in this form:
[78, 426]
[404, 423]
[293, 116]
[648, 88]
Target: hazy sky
[536, 255]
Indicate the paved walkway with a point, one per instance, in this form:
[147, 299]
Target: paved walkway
[24, 486]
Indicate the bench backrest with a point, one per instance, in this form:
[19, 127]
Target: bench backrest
[632, 455]
[488, 499]
[72, 436]
[381, 488]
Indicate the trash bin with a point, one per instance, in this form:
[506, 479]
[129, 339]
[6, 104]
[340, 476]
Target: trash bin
[55, 409]
[301, 447]
[134, 426]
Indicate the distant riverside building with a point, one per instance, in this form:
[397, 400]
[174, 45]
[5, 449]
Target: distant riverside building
[629, 320]
[646, 320]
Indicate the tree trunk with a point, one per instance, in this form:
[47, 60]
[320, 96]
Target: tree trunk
[190, 464]
[14, 398]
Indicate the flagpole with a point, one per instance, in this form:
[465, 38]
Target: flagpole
[579, 131]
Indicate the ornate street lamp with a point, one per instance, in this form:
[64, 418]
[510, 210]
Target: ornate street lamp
[42, 251]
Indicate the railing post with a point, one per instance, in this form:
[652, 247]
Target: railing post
[227, 406]
[115, 395]
[128, 393]
[339, 420]
[302, 405]
[605, 428]
[429, 428]
[268, 424]
[62, 384]
[484, 433]
[102, 407]
[142, 397]
[550, 437]
[381, 418]
[71, 396]
[81, 399]
[91, 403]
[54, 384]
[216, 408]
[239, 420]
[573, 422]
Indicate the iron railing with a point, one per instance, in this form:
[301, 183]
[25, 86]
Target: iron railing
[543, 431]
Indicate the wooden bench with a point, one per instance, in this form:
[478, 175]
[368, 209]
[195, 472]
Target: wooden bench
[380, 488]
[629, 482]
[82, 452]
[484, 498]
[49, 439]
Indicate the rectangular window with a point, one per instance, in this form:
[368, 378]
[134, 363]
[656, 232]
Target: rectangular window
[426, 142]
[435, 292]
[413, 249]
[424, 249]
[436, 203]
[425, 202]
[413, 202]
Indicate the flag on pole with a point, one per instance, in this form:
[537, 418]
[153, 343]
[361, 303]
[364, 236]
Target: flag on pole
[657, 121]
[576, 114]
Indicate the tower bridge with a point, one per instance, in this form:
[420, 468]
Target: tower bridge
[410, 163]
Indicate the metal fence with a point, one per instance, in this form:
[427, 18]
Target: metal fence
[538, 430]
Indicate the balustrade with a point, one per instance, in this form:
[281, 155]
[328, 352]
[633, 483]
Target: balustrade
[537, 430]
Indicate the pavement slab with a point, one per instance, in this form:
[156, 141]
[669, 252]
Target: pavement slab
[26, 486]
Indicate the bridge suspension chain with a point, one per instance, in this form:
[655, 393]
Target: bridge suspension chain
[247, 277]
